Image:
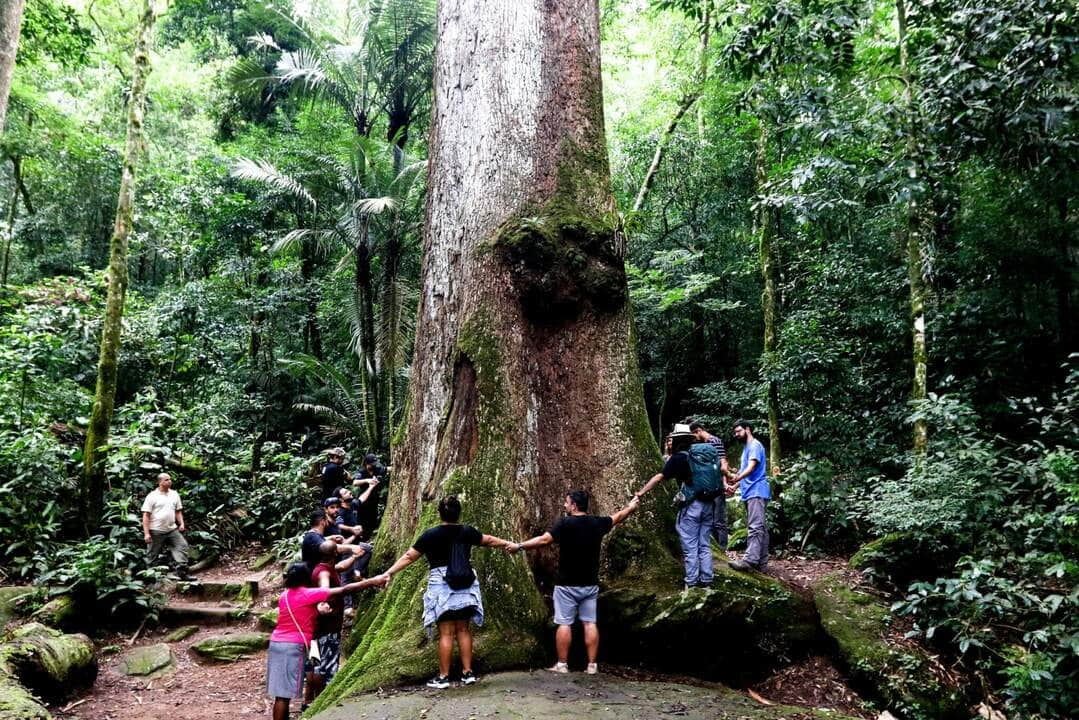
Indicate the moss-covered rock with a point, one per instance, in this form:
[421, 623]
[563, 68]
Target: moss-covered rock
[736, 631]
[230, 648]
[264, 560]
[63, 613]
[150, 660]
[900, 558]
[268, 620]
[12, 599]
[900, 676]
[49, 663]
[16, 702]
[181, 633]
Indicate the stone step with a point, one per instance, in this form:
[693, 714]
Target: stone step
[244, 590]
[203, 613]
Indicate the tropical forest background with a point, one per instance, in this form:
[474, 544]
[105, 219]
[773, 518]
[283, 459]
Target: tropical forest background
[821, 199]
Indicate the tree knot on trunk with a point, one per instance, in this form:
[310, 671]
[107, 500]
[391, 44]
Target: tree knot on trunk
[562, 261]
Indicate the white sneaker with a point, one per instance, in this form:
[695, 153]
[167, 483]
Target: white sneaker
[559, 667]
[592, 669]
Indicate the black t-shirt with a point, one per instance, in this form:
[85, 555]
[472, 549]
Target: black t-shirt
[309, 549]
[579, 538]
[349, 516]
[333, 477]
[435, 544]
[677, 467]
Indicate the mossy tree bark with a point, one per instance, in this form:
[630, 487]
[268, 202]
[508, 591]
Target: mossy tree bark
[10, 25]
[916, 244]
[105, 393]
[767, 230]
[525, 380]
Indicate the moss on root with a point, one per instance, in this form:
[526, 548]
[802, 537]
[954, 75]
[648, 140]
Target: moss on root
[900, 676]
[48, 662]
[738, 630]
[16, 702]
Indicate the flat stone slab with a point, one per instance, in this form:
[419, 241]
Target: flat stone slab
[244, 590]
[230, 648]
[176, 613]
[542, 694]
[181, 633]
[147, 660]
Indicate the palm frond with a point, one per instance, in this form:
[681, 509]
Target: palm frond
[262, 171]
[375, 205]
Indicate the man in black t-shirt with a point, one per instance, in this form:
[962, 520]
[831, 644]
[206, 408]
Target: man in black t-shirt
[333, 473]
[579, 537]
[374, 475]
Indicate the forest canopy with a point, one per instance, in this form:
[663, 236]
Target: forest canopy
[854, 224]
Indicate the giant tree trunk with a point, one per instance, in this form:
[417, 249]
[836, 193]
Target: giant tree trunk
[524, 380]
[916, 245]
[10, 24]
[105, 393]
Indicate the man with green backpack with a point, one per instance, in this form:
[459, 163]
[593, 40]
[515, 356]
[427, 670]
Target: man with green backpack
[696, 467]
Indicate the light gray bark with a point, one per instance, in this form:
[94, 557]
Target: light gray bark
[10, 25]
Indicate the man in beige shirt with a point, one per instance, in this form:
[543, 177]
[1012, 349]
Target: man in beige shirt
[162, 523]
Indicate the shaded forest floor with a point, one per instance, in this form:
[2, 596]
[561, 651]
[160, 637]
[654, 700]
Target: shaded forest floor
[194, 690]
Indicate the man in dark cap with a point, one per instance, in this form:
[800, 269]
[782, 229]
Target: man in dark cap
[373, 476]
[333, 473]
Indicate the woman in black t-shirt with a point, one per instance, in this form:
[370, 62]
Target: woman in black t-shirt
[450, 609]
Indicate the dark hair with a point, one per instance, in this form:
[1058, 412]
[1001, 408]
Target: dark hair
[579, 498]
[695, 426]
[449, 509]
[297, 575]
[317, 515]
[745, 424]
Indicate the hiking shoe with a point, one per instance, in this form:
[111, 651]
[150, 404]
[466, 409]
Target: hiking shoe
[742, 566]
[592, 669]
[468, 677]
[559, 667]
[439, 682]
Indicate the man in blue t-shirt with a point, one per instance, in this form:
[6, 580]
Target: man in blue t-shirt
[752, 476]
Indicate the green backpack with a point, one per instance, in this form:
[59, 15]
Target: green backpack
[706, 479]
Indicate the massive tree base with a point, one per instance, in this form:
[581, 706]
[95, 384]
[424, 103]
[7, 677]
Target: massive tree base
[737, 631]
[564, 697]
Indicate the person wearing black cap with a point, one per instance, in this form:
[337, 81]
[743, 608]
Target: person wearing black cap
[348, 534]
[333, 473]
[373, 475]
[316, 535]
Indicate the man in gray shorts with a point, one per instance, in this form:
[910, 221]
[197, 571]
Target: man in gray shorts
[579, 537]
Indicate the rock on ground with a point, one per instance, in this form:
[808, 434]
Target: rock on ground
[542, 694]
[148, 660]
[181, 633]
[230, 648]
[49, 663]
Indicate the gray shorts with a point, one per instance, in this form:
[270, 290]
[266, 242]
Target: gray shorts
[575, 601]
[284, 670]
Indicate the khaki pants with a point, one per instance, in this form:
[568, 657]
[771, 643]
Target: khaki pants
[174, 541]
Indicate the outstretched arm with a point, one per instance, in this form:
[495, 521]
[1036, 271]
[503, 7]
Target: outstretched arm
[411, 555]
[379, 581]
[493, 541]
[634, 503]
[649, 485]
[538, 541]
[367, 493]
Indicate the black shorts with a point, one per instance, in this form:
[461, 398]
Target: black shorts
[464, 613]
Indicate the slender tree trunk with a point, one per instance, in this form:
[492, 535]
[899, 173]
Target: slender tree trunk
[525, 379]
[12, 215]
[914, 234]
[389, 347]
[364, 298]
[105, 394]
[683, 107]
[312, 334]
[10, 25]
[766, 230]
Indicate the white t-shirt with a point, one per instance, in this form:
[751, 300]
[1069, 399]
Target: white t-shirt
[162, 508]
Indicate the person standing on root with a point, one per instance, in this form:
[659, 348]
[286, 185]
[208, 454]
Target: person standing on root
[579, 537]
[453, 595]
[162, 525]
[719, 505]
[696, 468]
[752, 476]
[290, 643]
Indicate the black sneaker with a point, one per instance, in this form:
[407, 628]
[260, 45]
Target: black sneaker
[468, 677]
[439, 682]
[744, 566]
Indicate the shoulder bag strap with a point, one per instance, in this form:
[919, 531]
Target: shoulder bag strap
[298, 628]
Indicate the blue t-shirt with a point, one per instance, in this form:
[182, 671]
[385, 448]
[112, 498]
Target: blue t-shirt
[755, 485]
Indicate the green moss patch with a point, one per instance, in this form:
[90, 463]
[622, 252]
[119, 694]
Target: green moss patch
[151, 660]
[49, 663]
[11, 601]
[181, 633]
[900, 676]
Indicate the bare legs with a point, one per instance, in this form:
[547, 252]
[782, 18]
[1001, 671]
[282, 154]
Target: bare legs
[591, 640]
[564, 635]
[448, 630]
